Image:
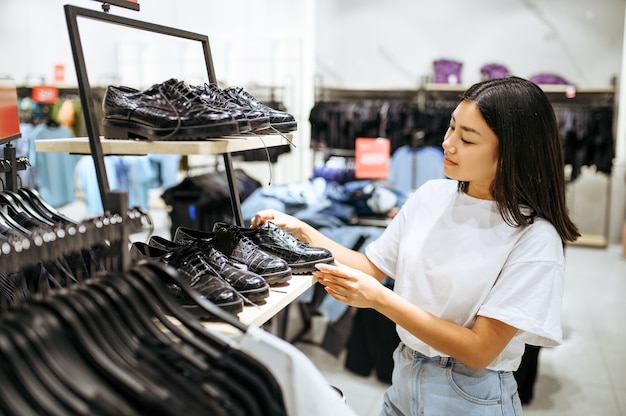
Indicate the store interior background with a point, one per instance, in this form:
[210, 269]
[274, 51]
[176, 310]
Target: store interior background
[296, 47]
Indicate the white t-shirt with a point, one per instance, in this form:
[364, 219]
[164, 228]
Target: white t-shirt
[305, 389]
[454, 256]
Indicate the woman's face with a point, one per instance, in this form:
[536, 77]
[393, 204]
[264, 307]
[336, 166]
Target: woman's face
[471, 150]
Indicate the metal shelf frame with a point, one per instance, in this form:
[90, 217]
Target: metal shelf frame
[72, 14]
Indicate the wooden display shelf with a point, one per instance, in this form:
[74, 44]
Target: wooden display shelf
[280, 297]
[590, 240]
[226, 144]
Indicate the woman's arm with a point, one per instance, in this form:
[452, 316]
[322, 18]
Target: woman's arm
[476, 347]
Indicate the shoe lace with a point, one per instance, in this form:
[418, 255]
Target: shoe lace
[219, 95]
[216, 256]
[178, 95]
[245, 98]
[283, 234]
[192, 263]
[244, 241]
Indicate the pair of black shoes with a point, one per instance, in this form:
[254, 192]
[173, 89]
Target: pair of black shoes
[198, 275]
[268, 250]
[239, 249]
[301, 258]
[174, 110]
[279, 121]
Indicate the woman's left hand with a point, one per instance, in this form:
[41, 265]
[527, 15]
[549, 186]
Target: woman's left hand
[349, 285]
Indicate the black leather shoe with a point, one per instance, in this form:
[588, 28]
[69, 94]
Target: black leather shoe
[250, 285]
[240, 249]
[167, 111]
[216, 97]
[300, 257]
[281, 121]
[199, 277]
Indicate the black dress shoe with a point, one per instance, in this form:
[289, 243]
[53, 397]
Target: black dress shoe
[300, 257]
[216, 97]
[201, 279]
[281, 121]
[250, 285]
[240, 249]
[167, 111]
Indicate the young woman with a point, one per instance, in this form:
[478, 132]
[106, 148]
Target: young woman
[477, 260]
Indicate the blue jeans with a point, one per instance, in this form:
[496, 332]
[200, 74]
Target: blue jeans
[442, 386]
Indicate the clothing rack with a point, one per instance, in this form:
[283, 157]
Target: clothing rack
[10, 165]
[444, 97]
[47, 244]
[398, 114]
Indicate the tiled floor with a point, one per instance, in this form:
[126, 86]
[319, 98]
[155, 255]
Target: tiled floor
[585, 376]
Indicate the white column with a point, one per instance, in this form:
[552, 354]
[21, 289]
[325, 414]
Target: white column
[618, 186]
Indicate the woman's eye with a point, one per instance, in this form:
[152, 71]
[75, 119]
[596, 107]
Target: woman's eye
[465, 141]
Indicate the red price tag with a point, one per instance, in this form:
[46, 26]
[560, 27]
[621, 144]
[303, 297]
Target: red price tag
[59, 73]
[9, 115]
[45, 94]
[372, 158]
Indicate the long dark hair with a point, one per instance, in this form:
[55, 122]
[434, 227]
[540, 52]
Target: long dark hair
[530, 155]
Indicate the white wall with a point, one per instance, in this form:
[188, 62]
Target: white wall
[343, 43]
[394, 42]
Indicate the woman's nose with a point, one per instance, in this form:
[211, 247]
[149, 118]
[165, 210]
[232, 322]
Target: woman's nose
[446, 145]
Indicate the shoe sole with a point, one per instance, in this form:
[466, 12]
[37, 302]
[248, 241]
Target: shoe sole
[123, 130]
[256, 295]
[259, 124]
[309, 266]
[244, 126]
[199, 312]
[276, 278]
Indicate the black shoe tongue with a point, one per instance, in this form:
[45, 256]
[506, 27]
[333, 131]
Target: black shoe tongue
[225, 241]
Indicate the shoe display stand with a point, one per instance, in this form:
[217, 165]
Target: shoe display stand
[97, 146]
[273, 310]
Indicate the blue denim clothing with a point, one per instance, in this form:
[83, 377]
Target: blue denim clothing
[308, 199]
[443, 386]
[348, 236]
[326, 206]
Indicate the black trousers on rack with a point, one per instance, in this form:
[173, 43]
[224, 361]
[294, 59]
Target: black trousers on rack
[372, 342]
[526, 374]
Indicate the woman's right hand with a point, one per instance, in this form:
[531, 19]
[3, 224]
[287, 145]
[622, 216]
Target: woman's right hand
[287, 222]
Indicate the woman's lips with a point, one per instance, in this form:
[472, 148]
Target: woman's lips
[448, 162]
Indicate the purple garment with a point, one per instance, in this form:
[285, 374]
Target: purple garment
[447, 71]
[493, 71]
[549, 79]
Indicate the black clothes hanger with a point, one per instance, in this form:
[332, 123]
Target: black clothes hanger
[13, 227]
[59, 367]
[17, 204]
[45, 209]
[268, 391]
[145, 361]
[137, 308]
[12, 402]
[144, 393]
[99, 348]
[30, 387]
[233, 397]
